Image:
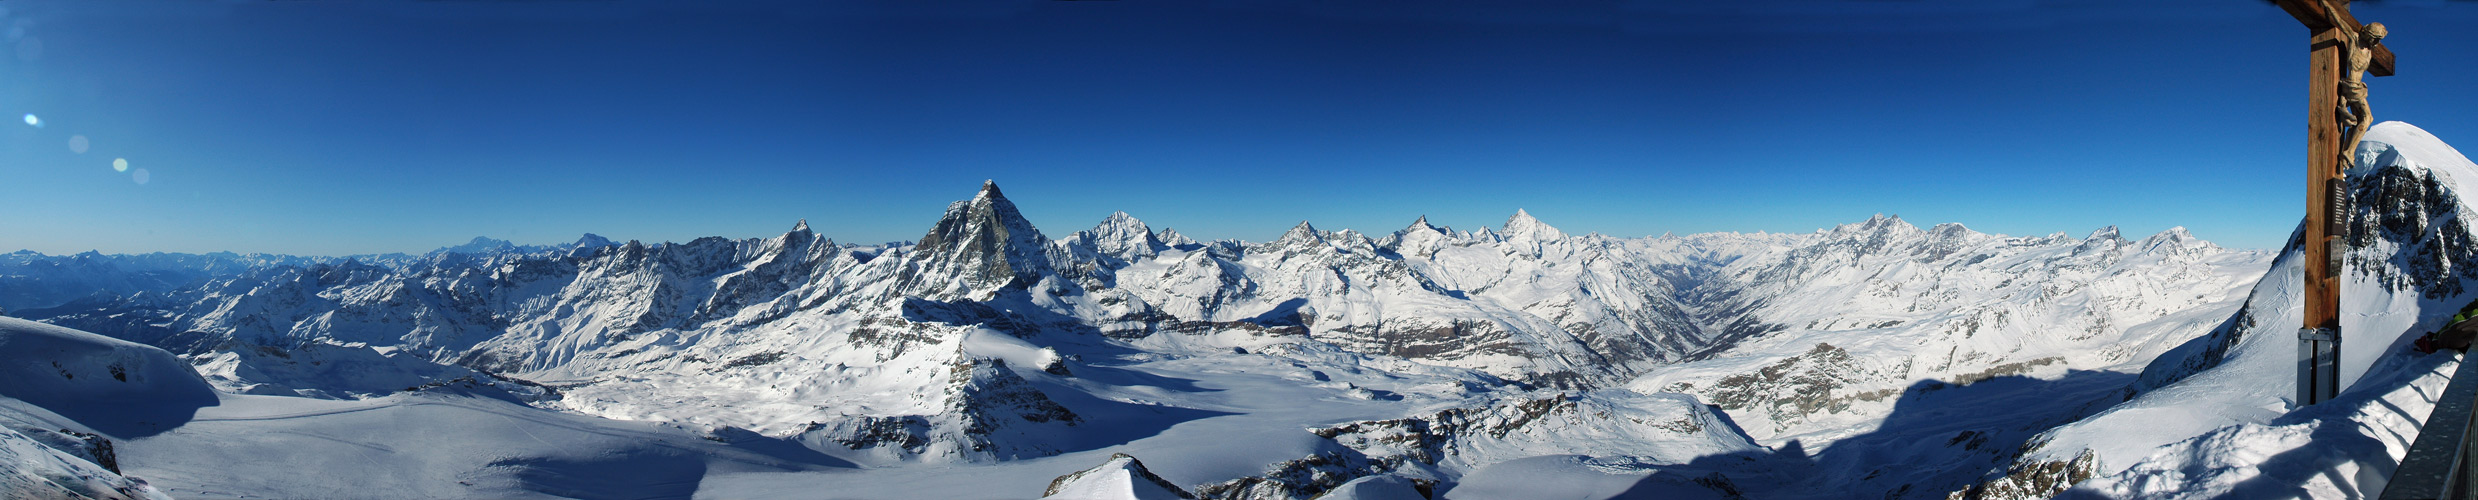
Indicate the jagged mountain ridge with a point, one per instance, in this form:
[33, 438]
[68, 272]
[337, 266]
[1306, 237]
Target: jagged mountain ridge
[848, 346]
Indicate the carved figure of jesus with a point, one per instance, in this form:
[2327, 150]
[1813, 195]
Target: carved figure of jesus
[2359, 49]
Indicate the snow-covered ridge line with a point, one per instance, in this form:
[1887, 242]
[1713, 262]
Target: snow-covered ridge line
[988, 341]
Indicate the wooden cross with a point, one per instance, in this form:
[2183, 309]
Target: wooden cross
[2318, 374]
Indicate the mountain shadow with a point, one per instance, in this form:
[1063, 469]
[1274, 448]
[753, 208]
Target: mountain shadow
[1941, 437]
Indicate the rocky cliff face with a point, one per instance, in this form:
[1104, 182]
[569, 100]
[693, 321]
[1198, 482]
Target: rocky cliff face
[981, 246]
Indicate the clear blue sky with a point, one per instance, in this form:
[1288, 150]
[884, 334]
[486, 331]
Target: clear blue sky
[328, 128]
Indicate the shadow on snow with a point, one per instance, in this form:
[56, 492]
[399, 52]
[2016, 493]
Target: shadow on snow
[1941, 437]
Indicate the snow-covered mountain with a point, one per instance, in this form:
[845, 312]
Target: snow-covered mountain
[1875, 358]
[2206, 420]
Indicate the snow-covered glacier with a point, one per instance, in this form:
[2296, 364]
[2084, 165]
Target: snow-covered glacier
[988, 359]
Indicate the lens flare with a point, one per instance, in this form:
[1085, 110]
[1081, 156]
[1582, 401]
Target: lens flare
[31, 120]
[120, 164]
[77, 144]
[140, 176]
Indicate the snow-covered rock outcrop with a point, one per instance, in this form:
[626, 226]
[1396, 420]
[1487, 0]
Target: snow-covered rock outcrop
[1120, 478]
[1616, 427]
[2215, 417]
[64, 466]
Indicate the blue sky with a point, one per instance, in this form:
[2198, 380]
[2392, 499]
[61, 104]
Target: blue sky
[330, 128]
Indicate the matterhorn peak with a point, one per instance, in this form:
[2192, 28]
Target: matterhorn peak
[801, 227]
[985, 242]
[989, 189]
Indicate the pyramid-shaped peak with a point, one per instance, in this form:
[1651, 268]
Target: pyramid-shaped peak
[1422, 225]
[1523, 225]
[989, 189]
[1301, 232]
[988, 211]
[801, 227]
[979, 245]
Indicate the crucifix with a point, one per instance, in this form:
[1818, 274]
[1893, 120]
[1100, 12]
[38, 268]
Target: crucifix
[2343, 54]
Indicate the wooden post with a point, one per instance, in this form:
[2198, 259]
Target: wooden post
[2318, 347]
[2318, 377]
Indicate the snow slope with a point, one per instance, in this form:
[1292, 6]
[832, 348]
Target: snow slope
[67, 395]
[119, 388]
[1874, 358]
[1121, 478]
[2217, 416]
[441, 443]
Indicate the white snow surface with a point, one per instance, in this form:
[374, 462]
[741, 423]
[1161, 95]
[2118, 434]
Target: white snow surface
[1121, 478]
[1873, 359]
[2218, 415]
[55, 381]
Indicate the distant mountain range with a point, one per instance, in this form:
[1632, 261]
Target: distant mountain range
[1878, 357]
